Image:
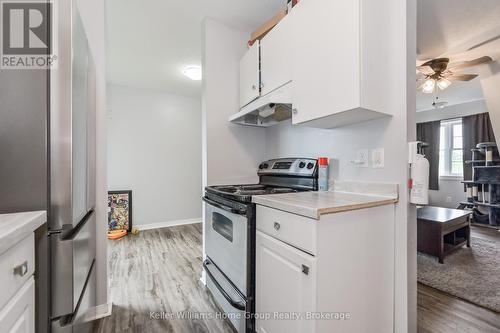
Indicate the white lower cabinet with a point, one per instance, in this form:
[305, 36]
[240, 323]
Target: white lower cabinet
[18, 316]
[17, 298]
[336, 272]
[285, 286]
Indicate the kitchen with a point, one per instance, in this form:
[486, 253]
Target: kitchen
[306, 78]
[269, 111]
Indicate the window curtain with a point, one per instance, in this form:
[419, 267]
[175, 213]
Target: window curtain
[475, 129]
[430, 133]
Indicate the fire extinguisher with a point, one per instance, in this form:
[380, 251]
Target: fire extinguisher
[419, 174]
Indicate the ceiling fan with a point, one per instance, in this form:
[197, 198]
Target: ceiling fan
[440, 72]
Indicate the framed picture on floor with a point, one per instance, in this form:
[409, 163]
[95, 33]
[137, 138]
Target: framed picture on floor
[120, 210]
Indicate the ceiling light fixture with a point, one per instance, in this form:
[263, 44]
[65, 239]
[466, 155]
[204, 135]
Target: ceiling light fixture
[428, 86]
[443, 83]
[193, 72]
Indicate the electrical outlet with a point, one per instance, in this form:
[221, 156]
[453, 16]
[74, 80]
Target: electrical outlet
[362, 158]
[378, 158]
[449, 199]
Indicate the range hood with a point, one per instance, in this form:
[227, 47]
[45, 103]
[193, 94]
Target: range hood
[267, 110]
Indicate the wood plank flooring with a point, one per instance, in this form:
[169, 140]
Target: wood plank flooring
[158, 271]
[439, 312]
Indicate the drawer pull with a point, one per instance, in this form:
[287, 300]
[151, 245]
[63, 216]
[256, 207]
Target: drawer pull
[277, 226]
[305, 269]
[22, 269]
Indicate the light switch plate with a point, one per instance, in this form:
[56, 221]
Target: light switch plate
[378, 158]
[362, 158]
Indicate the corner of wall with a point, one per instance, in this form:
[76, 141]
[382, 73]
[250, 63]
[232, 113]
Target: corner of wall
[490, 81]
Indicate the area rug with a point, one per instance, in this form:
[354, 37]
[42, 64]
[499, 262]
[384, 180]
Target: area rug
[472, 274]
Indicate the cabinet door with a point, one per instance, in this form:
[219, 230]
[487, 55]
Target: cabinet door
[18, 316]
[250, 75]
[326, 58]
[275, 56]
[285, 283]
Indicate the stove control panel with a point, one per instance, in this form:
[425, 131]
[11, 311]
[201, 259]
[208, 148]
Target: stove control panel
[289, 166]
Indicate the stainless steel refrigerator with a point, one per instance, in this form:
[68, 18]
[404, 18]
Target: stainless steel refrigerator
[47, 149]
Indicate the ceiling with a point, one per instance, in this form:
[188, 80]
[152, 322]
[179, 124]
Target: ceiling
[461, 30]
[149, 41]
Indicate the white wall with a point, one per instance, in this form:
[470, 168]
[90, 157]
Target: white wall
[154, 149]
[490, 81]
[231, 152]
[452, 111]
[450, 194]
[93, 17]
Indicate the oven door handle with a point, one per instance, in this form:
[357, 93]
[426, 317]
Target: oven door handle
[237, 305]
[223, 207]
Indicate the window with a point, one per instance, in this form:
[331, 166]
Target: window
[450, 149]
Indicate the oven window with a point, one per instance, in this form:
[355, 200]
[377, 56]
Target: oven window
[223, 226]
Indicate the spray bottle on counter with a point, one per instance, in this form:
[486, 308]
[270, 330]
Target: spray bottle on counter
[323, 174]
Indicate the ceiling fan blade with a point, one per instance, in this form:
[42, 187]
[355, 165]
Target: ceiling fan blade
[461, 77]
[426, 70]
[470, 63]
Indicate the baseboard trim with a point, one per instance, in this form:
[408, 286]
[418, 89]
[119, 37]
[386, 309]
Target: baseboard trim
[167, 224]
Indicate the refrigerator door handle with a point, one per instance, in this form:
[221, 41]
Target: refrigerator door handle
[69, 232]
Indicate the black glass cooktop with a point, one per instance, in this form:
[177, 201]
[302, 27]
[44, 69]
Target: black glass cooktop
[244, 193]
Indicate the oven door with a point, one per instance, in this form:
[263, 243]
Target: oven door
[226, 242]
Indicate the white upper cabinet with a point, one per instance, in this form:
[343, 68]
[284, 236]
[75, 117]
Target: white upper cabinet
[250, 75]
[336, 53]
[275, 55]
[337, 78]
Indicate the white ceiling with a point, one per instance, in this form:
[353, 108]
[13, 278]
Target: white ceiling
[443, 25]
[450, 28]
[149, 41]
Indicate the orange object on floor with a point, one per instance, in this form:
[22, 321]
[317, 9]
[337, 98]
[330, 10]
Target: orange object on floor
[116, 234]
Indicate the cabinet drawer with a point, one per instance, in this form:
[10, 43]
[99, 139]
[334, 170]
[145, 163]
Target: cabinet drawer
[18, 316]
[292, 229]
[17, 264]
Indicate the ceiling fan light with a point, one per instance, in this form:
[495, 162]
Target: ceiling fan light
[443, 83]
[428, 86]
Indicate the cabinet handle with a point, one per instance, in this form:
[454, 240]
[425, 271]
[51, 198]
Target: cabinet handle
[277, 226]
[305, 269]
[22, 269]
[295, 111]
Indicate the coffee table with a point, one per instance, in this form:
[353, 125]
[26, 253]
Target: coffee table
[442, 230]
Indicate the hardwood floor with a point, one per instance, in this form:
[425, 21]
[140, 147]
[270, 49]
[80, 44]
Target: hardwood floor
[439, 312]
[156, 273]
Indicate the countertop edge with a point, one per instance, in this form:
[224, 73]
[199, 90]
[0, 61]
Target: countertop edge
[316, 213]
[31, 222]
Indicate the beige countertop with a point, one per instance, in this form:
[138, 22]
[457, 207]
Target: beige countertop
[16, 226]
[315, 204]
